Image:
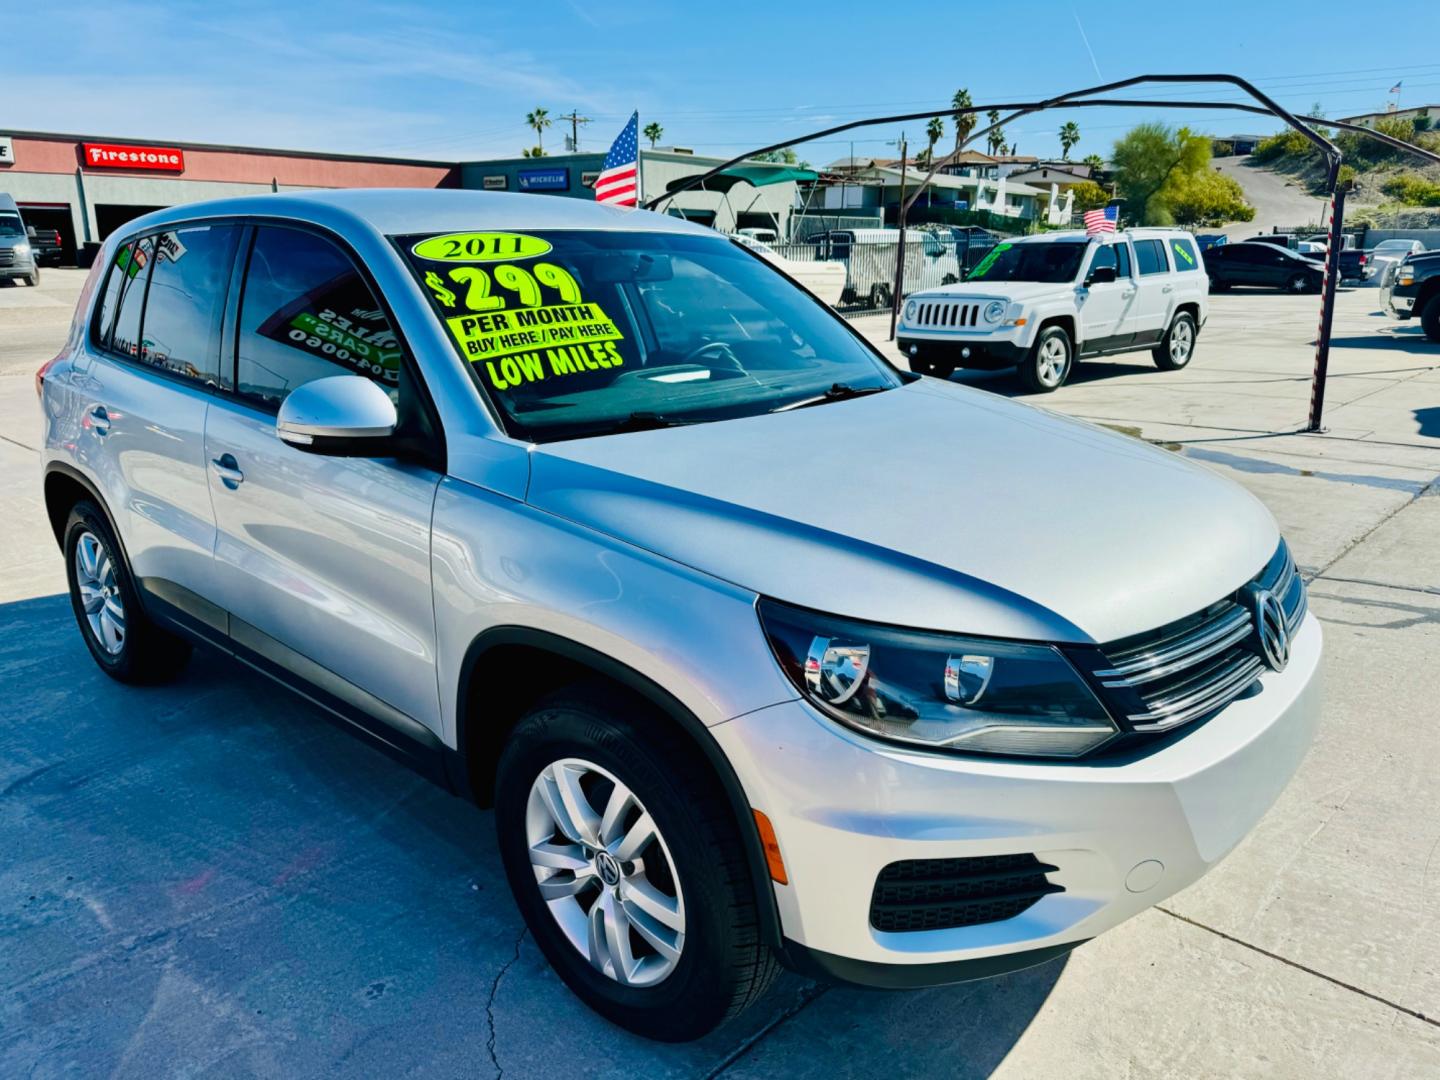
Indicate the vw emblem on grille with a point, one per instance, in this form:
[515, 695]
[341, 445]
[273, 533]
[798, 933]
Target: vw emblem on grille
[1271, 629]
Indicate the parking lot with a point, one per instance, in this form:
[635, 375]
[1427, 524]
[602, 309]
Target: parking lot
[210, 879]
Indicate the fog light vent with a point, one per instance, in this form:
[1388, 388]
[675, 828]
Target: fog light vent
[940, 894]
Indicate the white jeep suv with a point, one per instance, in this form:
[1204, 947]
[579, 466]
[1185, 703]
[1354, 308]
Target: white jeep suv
[1040, 303]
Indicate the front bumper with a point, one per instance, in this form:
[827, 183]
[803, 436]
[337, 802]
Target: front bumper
[977, 352]
[1397, 305]
[844, 807]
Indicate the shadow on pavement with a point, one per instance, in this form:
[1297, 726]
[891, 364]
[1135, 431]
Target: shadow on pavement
[209, 877]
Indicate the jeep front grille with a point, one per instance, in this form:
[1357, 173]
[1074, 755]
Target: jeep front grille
[7, 257]
[941, 894]
[1190, 668]
[938, 315]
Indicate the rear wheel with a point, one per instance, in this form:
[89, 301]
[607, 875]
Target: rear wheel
[628, 867]
[1049, 363]
[879, 295]
[1178, 344]
[121, 638]
[1298, 283]
[1430, 318]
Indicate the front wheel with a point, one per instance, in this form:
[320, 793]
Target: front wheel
[1178, 345]
[34, 278]
[1298, 283]
[1430, 318]
[628, 865]
[1048, 365]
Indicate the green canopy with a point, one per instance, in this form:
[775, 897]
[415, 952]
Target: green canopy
[755, 175]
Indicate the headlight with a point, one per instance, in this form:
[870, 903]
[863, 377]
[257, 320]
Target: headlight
[994, 311]
[910, 310]
[22, 249]
[973, 695]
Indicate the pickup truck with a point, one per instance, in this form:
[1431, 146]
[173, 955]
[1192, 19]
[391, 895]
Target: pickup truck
[46, 245]
[1412, 289]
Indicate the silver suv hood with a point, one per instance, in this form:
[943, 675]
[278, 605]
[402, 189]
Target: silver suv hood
[931, 506]
[1006, 290]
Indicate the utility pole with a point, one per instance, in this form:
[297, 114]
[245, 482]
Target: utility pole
[900, 251]
[575, 121]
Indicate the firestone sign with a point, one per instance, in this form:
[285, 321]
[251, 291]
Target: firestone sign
[116, 156]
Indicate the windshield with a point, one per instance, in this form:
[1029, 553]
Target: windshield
[1395, 245]
[1050, 262]
[10, 225]
[585, 333]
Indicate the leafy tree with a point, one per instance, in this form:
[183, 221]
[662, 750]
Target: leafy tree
[1152, 162]
[787, 156]
[533, 151]
[1069, 136]
[1095, 161]
[1089, 196]
[1208, 198]
[654, 132]
[964, 122]
[539, 119]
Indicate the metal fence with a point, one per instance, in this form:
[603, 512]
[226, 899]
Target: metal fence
[868, 265]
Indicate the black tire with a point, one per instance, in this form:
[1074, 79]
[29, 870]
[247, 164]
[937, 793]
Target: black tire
[879, 295]
[1177, 347]
[1297, 283]
[1430, 318]
[723, 965]
[1037, 370]
[146, 654]
[34, 278]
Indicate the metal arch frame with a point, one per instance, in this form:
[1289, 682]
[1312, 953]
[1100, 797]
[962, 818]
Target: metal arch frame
[1083, 99]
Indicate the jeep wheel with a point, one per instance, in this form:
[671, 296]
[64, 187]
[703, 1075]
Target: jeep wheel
[1048, 365]
[34, 278]
[1178, 344]
[124, 642]
[1430, 318]
[627, 865]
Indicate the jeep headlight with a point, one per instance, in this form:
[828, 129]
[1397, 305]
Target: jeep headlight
[910, 310]
[22, 248]
[941, 691]
[994, 311]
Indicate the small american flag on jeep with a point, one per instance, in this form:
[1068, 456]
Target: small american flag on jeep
[1100, 221]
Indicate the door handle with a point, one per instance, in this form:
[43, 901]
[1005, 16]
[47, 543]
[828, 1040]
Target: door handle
[228, 470]
[1168, 288]
[99, 420]
[1126, 294]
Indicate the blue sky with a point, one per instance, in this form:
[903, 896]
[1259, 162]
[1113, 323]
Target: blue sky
[453, 81]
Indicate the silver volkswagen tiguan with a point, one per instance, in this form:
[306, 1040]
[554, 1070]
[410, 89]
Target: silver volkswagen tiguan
[763, 651]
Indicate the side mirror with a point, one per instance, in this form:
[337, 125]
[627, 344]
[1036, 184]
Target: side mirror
[343, 416]
[1101, 275]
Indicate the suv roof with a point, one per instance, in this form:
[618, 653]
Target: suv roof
[413, 210]
[1140, 232]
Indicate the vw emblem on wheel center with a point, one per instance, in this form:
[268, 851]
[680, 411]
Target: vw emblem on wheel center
[608, 868]
[1271, 629]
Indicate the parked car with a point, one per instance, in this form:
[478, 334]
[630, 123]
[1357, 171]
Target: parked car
[1284, 240]
[1387, 253]
[1041, 303]
[1411, 289]
[46, 245]
[17, 257]
[760, 647]
[825, 279]
[1265, 265]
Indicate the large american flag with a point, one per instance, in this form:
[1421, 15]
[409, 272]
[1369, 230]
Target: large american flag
[617, 183]
[1100, 221]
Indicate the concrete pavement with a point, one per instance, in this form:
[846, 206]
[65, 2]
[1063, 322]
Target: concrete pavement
[207, 878]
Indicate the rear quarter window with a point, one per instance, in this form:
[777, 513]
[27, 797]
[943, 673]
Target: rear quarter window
[1184, 254]
[1150, 257]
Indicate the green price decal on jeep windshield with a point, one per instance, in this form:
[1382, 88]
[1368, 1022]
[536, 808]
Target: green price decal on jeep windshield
[525, 320]
[989, 260]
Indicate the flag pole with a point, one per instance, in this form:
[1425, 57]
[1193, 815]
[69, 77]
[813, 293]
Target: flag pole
[639, 166]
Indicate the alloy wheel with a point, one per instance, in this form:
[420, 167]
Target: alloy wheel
[100, 593]
[1053, 360]
[1182, 340]
[605, 873]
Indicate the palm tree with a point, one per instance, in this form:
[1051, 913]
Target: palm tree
[1069, 136]
[534, 151]
[539, 120]
[964, 122]
[654, 132]
[934, 130]
[995, 140]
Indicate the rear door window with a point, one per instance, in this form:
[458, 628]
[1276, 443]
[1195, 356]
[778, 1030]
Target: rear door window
[109, 299]
[306, 313]
[1184, 253]
[125, 338]
[1150, 257]
[186, 299]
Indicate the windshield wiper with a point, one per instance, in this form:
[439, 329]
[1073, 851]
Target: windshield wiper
[640, 421]
[838, 392]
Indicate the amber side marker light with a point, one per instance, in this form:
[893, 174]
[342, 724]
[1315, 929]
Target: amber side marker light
[772, 847]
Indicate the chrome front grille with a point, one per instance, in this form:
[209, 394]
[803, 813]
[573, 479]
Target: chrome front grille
[7, 257]
[946, 314]
[1197, 665]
